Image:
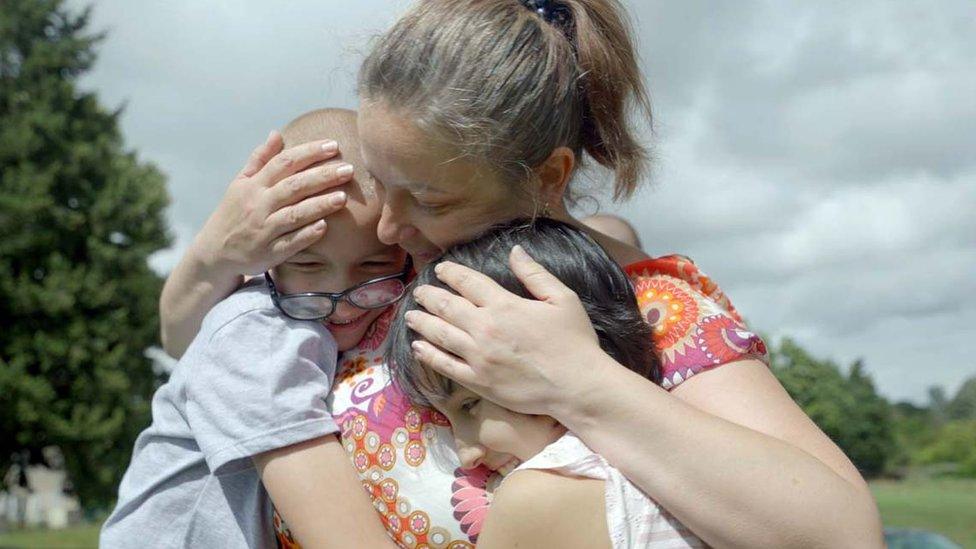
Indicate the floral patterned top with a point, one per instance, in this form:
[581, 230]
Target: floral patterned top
[404, 453]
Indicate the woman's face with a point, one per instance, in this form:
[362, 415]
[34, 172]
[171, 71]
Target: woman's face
[432, 199]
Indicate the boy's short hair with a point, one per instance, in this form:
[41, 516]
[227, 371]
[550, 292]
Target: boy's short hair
[327, 123]
[340, 125]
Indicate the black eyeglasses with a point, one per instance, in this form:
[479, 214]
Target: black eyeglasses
[371, 294]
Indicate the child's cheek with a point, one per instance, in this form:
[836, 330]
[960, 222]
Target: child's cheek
[511, 433]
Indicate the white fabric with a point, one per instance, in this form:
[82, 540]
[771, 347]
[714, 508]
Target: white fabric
[633, 519]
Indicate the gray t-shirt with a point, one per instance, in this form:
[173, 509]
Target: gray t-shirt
[252, 381]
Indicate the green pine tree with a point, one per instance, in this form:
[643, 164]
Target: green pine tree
[79, 216]
[963, 405]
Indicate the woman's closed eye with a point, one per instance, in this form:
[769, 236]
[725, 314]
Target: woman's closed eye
[430, 207]
[424, 202]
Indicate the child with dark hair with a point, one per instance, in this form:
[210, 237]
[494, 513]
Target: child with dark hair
[609, 511]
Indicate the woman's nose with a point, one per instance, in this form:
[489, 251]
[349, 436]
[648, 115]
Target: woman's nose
[392, 228]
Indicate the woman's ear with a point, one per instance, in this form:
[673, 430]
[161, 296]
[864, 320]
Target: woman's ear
[554, 174]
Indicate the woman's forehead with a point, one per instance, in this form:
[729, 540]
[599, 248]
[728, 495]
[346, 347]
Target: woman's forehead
[401, 156]
[395, 148]
[390, 133]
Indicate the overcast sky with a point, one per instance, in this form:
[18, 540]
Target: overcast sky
[817, 159]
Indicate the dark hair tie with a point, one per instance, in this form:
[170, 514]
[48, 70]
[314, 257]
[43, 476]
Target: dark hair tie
[554, 13]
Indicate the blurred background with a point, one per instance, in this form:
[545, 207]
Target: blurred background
[817, 160]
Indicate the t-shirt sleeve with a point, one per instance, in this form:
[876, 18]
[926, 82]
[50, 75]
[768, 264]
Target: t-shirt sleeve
[261, 385]
[695, 326]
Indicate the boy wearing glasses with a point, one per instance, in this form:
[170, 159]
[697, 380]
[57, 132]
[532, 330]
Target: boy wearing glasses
[254, 382]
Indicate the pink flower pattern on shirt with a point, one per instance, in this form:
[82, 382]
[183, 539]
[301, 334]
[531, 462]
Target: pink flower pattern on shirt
[471, 499]
[404, 453]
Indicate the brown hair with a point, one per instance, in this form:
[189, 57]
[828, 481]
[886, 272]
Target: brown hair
[504, 85]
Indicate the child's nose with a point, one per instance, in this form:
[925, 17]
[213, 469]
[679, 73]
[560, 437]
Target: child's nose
[344, 311]
[471, 455]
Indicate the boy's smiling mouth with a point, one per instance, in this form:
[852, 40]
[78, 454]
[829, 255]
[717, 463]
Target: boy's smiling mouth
[347, 325]
[342, 323]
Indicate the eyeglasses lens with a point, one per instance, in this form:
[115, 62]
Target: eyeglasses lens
[307, 307]
[377, 294]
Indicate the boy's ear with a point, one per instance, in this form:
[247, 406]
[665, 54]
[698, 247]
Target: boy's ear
[554, 174]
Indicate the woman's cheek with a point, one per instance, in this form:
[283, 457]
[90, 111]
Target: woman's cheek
[449, 230]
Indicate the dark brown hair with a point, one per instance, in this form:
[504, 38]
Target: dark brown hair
[571, 256]
[504, 85]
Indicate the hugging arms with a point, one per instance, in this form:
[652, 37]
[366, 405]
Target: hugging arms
[454, 151]
[741, 467]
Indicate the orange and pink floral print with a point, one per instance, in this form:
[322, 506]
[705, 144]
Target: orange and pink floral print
[404, 453]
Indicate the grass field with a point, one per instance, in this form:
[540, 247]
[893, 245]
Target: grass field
[945, 506]
[83, 536]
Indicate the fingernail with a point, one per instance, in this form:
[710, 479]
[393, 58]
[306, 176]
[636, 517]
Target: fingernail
[439, 268]
[337, 199]
[330, 146]
[519, 253]
[418, 348]
[409, 316]
[270, 135]
[416, 293]
[344, 170]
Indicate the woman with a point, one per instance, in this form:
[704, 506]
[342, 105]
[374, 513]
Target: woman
[477, 111]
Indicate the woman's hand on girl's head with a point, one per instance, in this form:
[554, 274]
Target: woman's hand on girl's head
[530, 356]
[274, 208]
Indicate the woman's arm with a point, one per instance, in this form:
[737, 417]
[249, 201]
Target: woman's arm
[541, 509]
[317, 492]
[271, 210]
[730, 455]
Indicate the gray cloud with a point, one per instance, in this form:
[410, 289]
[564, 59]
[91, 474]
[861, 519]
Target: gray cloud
[872, 90]
[816, 159]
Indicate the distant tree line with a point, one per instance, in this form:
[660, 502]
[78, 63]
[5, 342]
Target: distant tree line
[881, 438]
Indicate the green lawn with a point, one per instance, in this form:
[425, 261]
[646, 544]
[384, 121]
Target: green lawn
[946, 506]
[77, 536]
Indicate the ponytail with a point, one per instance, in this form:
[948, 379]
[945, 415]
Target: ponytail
[611, 89]
[507, 82]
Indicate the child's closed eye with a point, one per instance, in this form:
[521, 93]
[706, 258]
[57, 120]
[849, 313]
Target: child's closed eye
[306, 265]
[391, 264]
[468, 404]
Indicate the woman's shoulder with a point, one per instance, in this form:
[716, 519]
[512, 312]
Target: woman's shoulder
[682, 268]
[695, 325]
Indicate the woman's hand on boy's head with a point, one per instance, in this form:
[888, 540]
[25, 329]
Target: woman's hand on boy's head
[273, 208]
[526, 355]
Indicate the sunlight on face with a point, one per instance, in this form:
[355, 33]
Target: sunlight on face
[432, 199]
